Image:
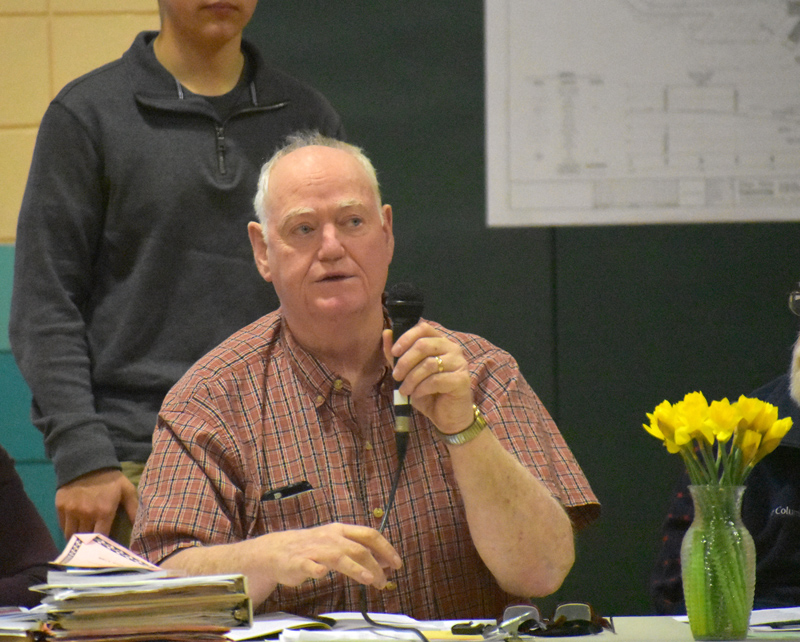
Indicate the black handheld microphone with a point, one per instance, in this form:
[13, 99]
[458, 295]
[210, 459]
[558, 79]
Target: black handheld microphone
[404, 302]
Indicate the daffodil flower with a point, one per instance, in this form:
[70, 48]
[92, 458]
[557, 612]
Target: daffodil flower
[772, 438]
[723, 418]
[719, 442]
[662, 425]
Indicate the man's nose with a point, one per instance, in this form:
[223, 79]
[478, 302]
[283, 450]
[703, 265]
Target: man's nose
[331, 246]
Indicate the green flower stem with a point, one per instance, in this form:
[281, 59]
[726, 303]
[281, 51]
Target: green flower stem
[694, 576]
[726, 558]
[697, 473]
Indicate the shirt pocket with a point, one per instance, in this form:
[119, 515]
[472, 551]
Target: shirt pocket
[303, 510]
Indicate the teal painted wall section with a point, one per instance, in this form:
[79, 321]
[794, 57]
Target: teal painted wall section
[6, 273]
[17, 435]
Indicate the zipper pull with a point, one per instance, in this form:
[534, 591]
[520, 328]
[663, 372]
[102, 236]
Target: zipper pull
[221, 149]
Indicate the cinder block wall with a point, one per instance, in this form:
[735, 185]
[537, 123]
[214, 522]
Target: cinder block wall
[43, 45]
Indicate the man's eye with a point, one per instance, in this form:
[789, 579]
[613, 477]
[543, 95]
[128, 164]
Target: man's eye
[355, 221]
[303, 230]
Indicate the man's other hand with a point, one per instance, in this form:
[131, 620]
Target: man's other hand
[360, 552]
[292, 557]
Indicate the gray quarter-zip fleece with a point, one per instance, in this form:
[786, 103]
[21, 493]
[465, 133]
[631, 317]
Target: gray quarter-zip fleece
[132, 256]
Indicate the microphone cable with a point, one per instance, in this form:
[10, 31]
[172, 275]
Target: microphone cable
[404, 303]
[401, 439]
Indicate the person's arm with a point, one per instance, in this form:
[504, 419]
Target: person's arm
[26, 545]
[59, 230]
[294, 556]
[191, 516]
[522, 533]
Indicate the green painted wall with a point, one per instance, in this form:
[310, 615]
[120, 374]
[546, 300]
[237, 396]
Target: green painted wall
[605, 322]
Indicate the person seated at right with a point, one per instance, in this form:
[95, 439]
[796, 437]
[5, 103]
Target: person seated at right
[770, 510]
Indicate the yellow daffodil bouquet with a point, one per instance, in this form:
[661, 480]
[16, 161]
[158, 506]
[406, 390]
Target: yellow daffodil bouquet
[720, 442]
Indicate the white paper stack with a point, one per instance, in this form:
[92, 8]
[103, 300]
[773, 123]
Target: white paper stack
[99, 590]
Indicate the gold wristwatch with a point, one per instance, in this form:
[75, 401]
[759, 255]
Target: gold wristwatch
[468, 434]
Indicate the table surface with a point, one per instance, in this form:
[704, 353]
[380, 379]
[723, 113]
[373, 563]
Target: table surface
[647, 628]
[665, 629]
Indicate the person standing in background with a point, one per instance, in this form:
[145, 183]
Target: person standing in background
[132, 258]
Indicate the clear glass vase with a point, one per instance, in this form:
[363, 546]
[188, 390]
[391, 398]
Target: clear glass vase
[718, 565]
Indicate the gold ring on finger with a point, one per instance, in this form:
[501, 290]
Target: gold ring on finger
[439, 363]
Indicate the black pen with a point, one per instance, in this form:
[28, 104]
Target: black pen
[287, 491]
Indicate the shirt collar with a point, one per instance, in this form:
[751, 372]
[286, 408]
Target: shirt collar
[320, 382]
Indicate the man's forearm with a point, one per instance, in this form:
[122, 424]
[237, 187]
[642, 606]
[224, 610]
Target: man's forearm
[292, 557]
[224, 559]
[523, 535]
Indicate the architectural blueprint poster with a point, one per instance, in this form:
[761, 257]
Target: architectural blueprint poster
[642, 111]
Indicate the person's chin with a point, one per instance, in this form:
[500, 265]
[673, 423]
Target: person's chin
[343, 303]
[336, 287]
[338, 303]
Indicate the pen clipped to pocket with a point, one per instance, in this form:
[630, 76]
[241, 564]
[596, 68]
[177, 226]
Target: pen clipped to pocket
[287, 491]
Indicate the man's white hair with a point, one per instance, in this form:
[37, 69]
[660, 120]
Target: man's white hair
[794, 378]
[297, 141]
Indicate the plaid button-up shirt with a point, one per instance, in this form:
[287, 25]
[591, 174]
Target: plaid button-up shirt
[259, 413]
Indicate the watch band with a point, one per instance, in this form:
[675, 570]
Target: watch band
[468, 434]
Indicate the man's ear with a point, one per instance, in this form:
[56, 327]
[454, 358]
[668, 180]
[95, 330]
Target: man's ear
[388, 229]
[259, 245]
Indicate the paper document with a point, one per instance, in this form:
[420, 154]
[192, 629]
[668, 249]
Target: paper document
[344, 626]
[785, 619]
[99, 591]
[92, 550]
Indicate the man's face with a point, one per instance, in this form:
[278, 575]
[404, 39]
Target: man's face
[328, 251]
[218, 20]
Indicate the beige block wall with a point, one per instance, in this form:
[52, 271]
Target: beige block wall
[43, 45]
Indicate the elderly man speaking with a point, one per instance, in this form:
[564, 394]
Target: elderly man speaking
[274, 455]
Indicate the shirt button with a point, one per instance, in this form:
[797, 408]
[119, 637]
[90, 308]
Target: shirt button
[377, 512]
[338, 384]
[320, 399]
[390, 586]
[367, 446]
